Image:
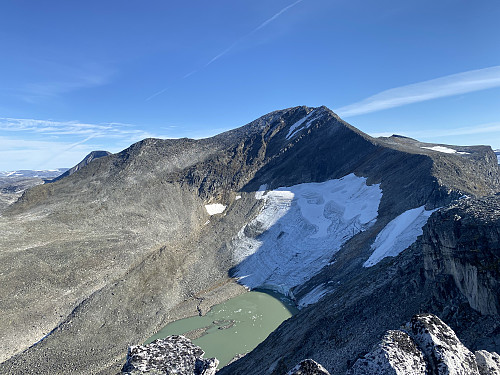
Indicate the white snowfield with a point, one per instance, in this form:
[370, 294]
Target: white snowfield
[300, 228]
[400, 233]
[446, 150]
[215, 208]
[305, 122]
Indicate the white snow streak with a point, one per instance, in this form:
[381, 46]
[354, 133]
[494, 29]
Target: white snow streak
[400, 233]
[446, 150]
[215, 208]
[298, 126]
[299, 229]
[314, 295]
[259, 194]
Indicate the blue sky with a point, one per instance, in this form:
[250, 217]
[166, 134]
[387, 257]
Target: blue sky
[81, 76]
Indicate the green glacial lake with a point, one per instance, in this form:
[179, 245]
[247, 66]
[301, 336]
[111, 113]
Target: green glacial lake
[235, 326]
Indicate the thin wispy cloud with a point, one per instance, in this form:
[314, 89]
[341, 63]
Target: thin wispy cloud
[455, 84]
[493, 127]
[58, 81]
[72, 128]
[31, 143]
[232, 46]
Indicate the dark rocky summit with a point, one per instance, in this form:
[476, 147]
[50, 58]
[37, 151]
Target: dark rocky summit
[126, 244]
[172, 355]
[86, 160]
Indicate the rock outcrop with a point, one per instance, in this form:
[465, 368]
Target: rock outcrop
[487, 363]
[462, 244]
[426, 346]
[172, 355]
[396, 354]
[308, 367]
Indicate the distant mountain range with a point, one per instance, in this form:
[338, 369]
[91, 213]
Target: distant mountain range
[43, 174]
[363, 233]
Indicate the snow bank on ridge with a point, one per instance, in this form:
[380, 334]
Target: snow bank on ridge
[300, 228]
[446, 150]
[400, 233]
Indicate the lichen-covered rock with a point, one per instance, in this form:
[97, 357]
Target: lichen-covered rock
[397, 354]
[308, 367]
[488, 363]
[172, 355]
[441, 346]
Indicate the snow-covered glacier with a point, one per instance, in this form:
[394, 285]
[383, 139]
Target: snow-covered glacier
[300, 228]
[400, 233]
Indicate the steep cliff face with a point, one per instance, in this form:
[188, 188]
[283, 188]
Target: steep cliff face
[463, 243]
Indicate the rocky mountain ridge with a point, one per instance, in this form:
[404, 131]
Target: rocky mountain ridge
[127, 240]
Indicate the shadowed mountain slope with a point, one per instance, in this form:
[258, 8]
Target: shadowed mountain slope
[124, 244]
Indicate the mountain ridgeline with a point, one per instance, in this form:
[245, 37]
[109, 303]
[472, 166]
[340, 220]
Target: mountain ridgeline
[127, 243]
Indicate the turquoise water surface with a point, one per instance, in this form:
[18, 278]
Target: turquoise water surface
[234, 327]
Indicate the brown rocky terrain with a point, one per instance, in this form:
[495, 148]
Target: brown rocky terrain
[101, 259]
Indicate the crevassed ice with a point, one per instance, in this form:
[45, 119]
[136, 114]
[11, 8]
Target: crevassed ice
[400, 233]
[300, 228]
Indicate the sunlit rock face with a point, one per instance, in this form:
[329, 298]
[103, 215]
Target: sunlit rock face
[172, 355]
[425, 346]
[308, 367]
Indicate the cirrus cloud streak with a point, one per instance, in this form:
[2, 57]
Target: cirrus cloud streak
[455, 84]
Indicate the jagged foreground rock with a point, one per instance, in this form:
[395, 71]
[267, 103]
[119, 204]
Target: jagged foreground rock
[308, 367]
[172, 355]
[427, 346]
[128, 243]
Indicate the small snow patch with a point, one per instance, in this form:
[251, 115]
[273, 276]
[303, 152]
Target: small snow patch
[215, 208]
[314, 296]
[400, 233]
[259, 194]
[446, 150]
